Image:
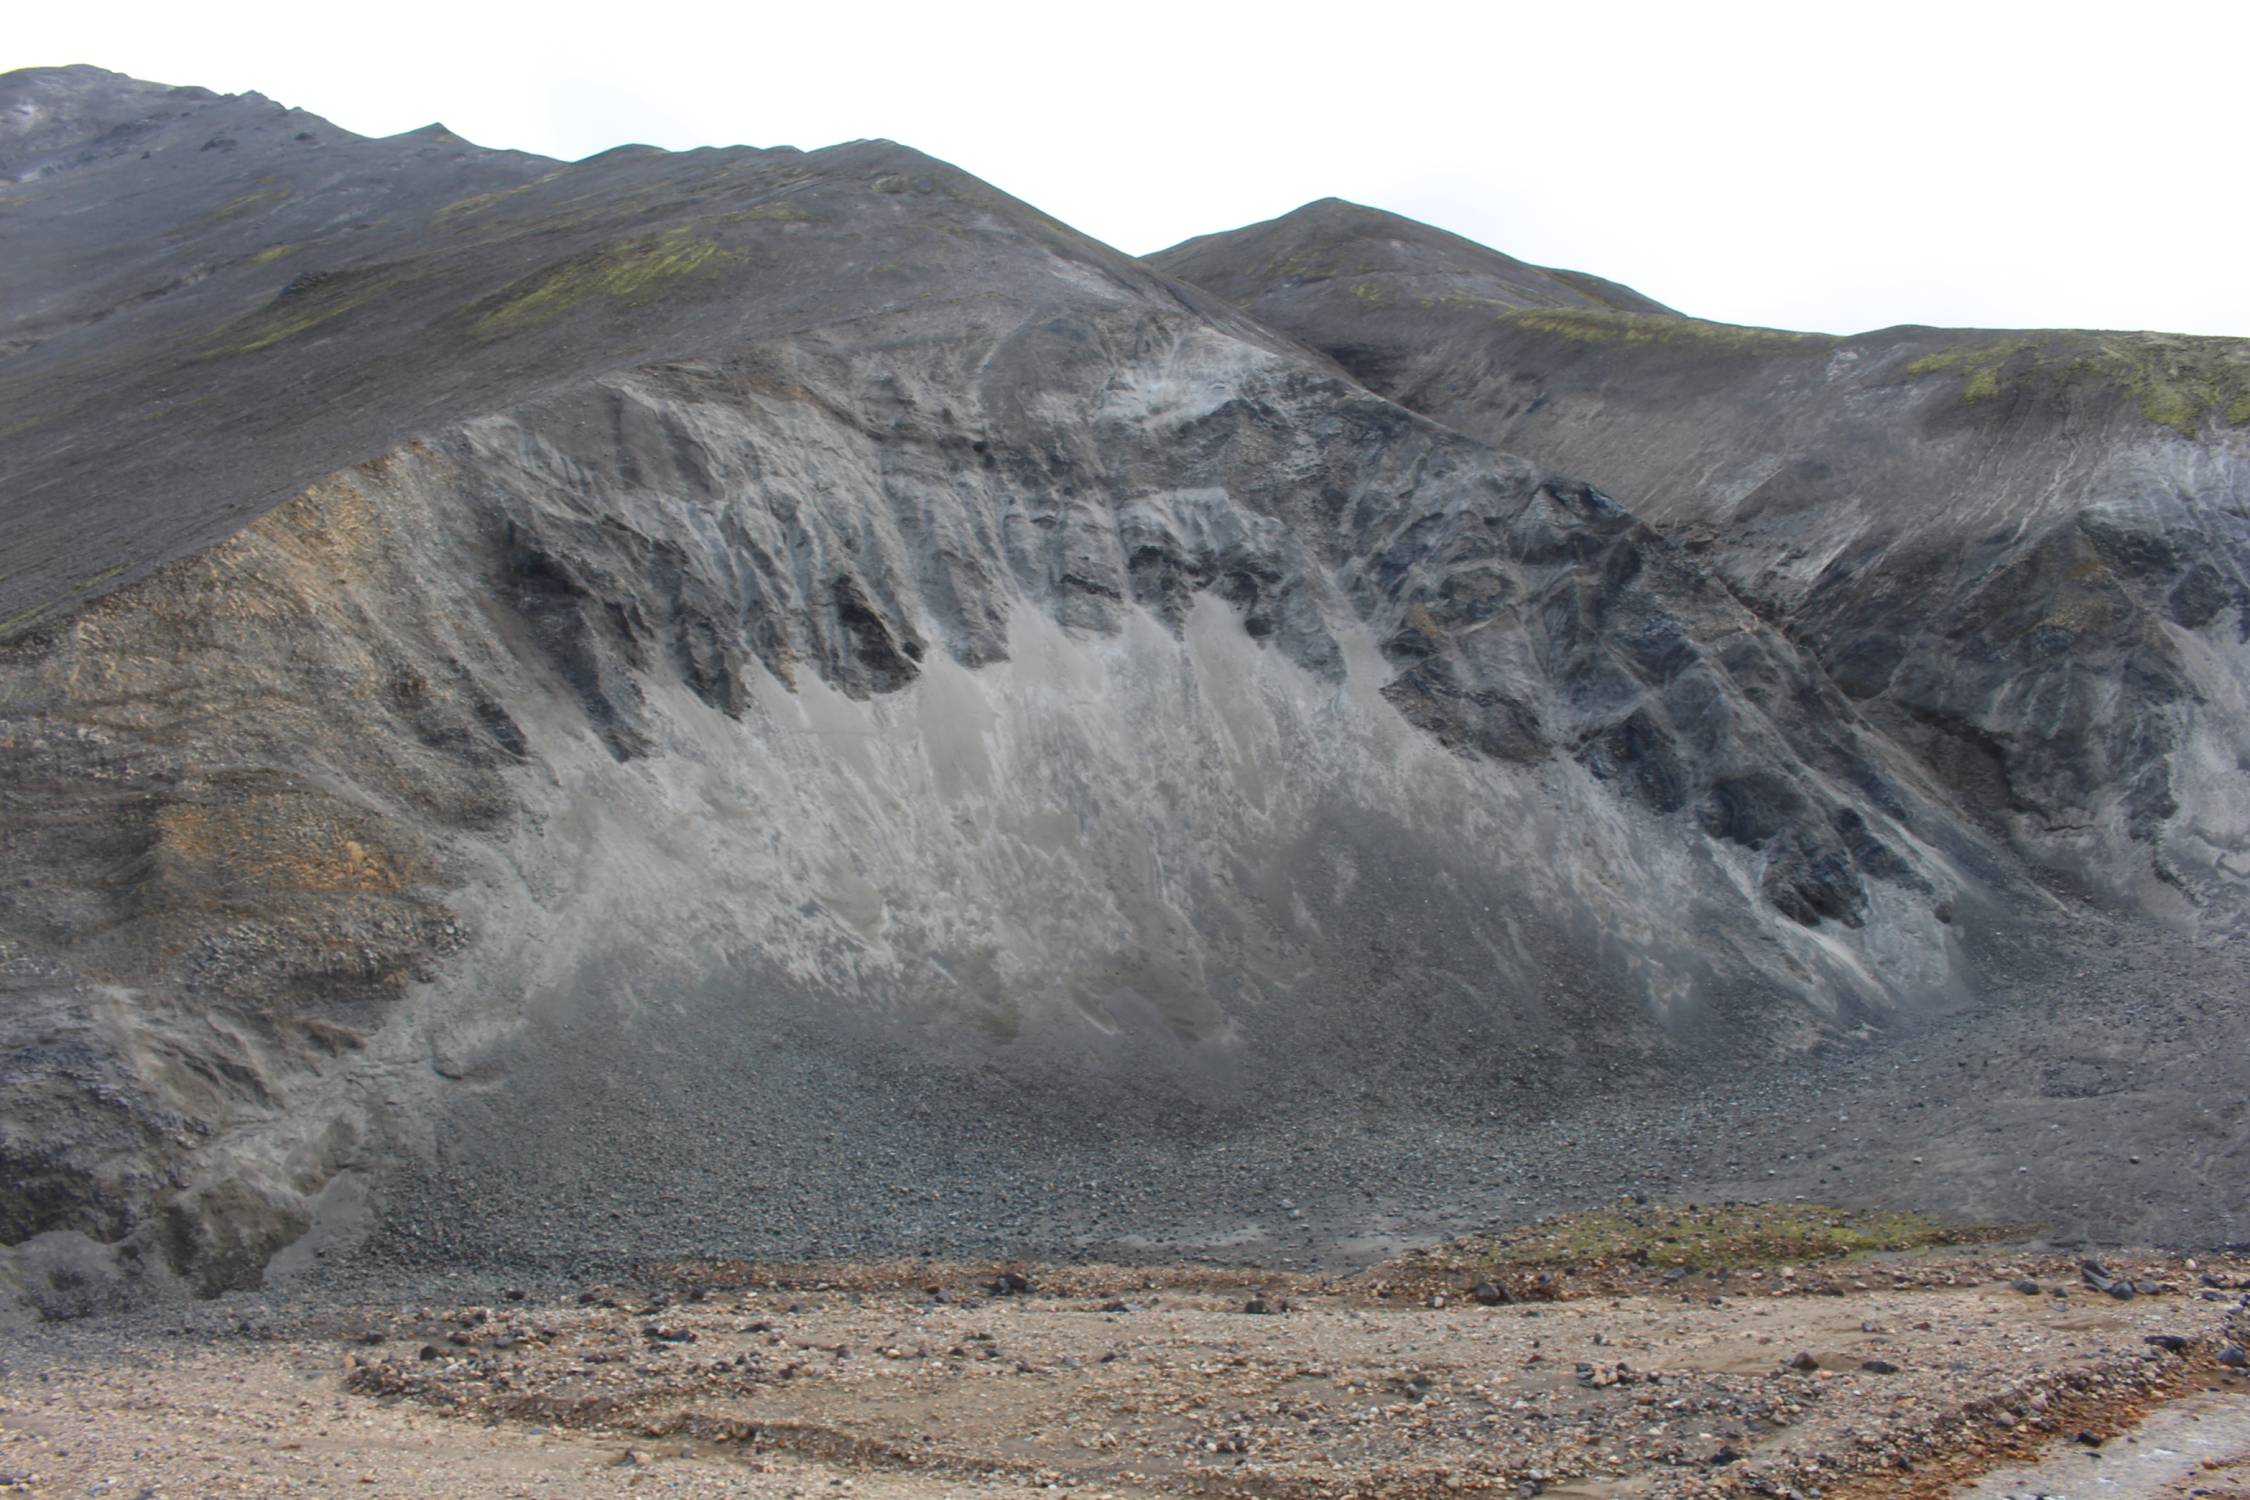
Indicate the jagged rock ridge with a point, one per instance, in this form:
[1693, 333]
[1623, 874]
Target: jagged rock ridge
[2022, 555]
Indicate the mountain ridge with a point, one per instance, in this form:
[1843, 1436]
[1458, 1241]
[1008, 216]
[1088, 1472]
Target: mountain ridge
[1784, 445]
[700, 682]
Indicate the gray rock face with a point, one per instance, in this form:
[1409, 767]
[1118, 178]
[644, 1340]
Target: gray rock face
[2021, 555]
[776, 668]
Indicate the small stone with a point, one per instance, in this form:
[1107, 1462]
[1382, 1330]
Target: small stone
[1878, 1367]
[1802, 1360]
[1604, 1376]
[2026, 1286]
[2234, 1357]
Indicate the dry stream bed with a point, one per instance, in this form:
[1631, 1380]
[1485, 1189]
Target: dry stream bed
[1940, 1371]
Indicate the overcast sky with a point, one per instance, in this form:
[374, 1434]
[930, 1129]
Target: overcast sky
[1807, 165]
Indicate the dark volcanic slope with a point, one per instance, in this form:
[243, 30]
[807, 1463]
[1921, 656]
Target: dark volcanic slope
[207, 302]
[740, 698]
[2021, 555]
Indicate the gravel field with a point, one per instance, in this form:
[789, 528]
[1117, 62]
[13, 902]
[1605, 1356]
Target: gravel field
[2099, 1091]
[1902, 1375]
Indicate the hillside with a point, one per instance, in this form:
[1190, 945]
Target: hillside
[2021, 555]
[769, 702]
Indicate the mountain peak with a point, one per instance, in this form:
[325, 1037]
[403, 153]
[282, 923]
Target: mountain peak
[1384, 256]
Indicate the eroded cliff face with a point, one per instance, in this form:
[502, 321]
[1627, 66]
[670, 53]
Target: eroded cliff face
[798, 666]
[1097, 698]
[2021, 555]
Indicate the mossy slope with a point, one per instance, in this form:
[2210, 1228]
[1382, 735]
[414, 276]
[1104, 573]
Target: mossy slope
[2173, 380]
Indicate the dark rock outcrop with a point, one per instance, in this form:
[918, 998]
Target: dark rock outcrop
[2022, 555]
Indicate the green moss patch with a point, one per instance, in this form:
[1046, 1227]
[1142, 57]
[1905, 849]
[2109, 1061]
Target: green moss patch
[461, 209]
[21, 620]
[2175, 381]
[624, 271]
[246, 204]
[765, 213]
[312, 299]
[1597, 325]
[1979, 364]
[1735, 1236]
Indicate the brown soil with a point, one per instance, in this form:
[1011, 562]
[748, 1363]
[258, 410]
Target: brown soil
[924, 1380]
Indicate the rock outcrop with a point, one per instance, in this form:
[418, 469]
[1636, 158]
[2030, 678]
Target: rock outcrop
[2022, 556]
[522, 678]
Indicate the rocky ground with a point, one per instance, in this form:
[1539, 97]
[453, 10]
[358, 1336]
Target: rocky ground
[2096, 1093]
[1645, 1351]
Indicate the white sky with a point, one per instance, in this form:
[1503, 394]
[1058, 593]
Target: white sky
[1809, 165]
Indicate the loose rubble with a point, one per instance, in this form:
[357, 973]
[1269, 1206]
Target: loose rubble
[1898, 1377]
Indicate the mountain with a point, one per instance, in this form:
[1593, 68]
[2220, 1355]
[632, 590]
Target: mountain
[785, 702]
[2021, 556]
